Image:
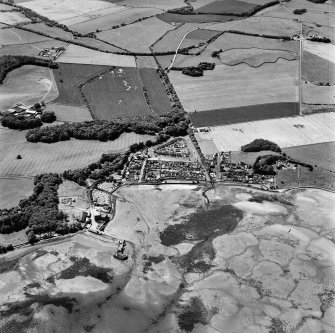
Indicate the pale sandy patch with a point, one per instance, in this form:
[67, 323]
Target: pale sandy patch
[80, 284]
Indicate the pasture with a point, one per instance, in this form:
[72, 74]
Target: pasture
[51, 31]
[314, 94]
[317, 69]
[243, 114]
[117, 93]
[75, 54]
[260, 25]
[286, 132]
[40, 158]
[14, 36]
[323, 50]
[234, 7]
[69, 76]
[199, 18]
[137, 37]
[157, 95]
[101, 45]
[241, 85]
[159, 4]
[107, 21]
[69, 113]
[145, 62]
[28, 85]
[13, 18]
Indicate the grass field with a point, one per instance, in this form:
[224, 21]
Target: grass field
[146, 62]
[107, 21]
[160, 4]
[51, 31]
[137, 37]
[242, 114]
[200, 18]
[68, 77]
[226, 6]
[75, 54]
[255, 57]
[323, 50]
[158, 98]
[101, 45]
[41, 158]
[260, 25]
[13, 18]
[117, 93]
[69, 113]
[28, 85]
[313, 94]
[14, 36]
[14, 237]
[317, 69]
[241, 85]
[286, 132]
[202, 34]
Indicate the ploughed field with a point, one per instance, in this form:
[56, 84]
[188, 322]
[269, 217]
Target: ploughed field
[226, 258]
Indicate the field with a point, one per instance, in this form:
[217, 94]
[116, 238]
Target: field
[101, 45]
[219, 88]
[146, 62]
[14, 36]
[158, 98]
[200, 18]
[117, 93]
[75, 54]
[137, 37]
[28, 85]
[226, 116]
[69, 113]
[13, 18]
[105, 22]
[69, 76]
[51, 31]
[317, 69]
[42, 158]
[160, 4]
[323, 50]
[313, 94]
[227, 6]
[260, 25]
[286, 132]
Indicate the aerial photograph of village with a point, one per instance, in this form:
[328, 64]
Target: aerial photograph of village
[167, 166]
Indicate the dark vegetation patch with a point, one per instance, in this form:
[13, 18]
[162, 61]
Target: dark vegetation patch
[89, 328]
[69, 76]
[300, 11]
[8, 265]
[203, 34]
[39, 212]
[33, 285]
[226, 116]
[260, 145]
[195, 70]
[150, 260]
[14, 325]
[326, 298]
[10, 62]
[193, 313]
[158, 99]
[317, 69]
[6, 248]
[277, 326]
[202, 225]
[227, 7]
[83, 267]
[282, 198]
[173, 124]
[318, 1]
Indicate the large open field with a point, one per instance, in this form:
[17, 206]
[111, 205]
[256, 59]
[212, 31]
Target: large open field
[14, 36]
[43, 158]
[13, 18]
[286, 132]
[199, 18]
[241, 85]
[314, 94]
[226, 7]
[69, 113]
[242, 114]
[137, 37]
[161, 4]
[75, 54]
[117, 93]
[158, 98]
[69, 76]
[28, 85]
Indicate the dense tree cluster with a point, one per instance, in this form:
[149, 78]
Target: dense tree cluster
[20, 122]
[39, 212]
[11, 62]
[260, 145]
[173, 124]
[300, 11]
[48, 117]
[6, 248]
[195, 70]
[264, 164]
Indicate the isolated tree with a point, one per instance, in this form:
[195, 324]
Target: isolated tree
[48, 117]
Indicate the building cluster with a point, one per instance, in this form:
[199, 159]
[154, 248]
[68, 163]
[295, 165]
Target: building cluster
[22, 110]
[134, 169]
[156, 170]
[101, 198]
[175, 148]
[54, 52]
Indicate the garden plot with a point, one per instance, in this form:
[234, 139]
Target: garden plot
[160, 4]
[13, 18]
[117, 93]
[15, 36]
[75, 54]
[27, 85]
[314, 94]
[119, 18]
[270, 83]
[68, 12]
[137, 37]
[260, 25]
[286, 132]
